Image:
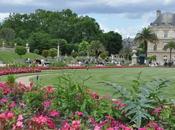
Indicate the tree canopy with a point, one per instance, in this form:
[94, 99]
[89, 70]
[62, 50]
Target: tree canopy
[44, 29]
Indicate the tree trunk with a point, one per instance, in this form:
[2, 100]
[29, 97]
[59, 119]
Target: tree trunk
[146, 48]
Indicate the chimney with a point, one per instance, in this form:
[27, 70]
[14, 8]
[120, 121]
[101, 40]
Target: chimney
[158, 13]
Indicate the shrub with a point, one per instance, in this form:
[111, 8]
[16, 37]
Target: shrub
[11, 79]
[20, 50]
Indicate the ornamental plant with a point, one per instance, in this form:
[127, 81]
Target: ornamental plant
[72, 106]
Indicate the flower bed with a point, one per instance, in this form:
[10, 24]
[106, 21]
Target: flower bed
[70, 106]
[89, 67]
[6, 71]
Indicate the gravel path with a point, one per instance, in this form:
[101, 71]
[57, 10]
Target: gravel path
[25, 80]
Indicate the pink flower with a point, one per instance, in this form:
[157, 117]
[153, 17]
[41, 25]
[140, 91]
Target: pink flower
[110, 128]
[79, 113]
[76, 124]
[95, 95]
[41, 120]
[65, 126]
[157, 110]
[50, 124]
[54, 113]
[12, 105]
[3, 100]
[46, 104]
[142, 129]
[20, 118]
[19, 124]
[97, 128]
[119, 104]
[9, 115]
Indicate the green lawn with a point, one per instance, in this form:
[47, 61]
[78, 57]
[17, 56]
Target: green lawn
[121, 76]
[9, 56]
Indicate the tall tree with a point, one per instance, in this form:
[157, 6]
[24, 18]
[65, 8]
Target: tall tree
[145, 36]
[83, 47]
[7, 34]
[171, 47]
[96, 48]
[112, 42]
[40, 41]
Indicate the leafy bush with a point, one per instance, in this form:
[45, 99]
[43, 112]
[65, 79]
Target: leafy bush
[58, 64]
[11, 79]
[20, 50]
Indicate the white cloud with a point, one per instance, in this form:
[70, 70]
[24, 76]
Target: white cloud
[3, 16]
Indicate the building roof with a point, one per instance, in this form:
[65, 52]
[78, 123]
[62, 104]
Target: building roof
[164, 19]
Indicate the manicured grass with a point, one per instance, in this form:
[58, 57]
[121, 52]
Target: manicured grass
[9, 56]
[120, 76]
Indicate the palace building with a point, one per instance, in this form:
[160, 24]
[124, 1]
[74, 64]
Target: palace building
[164, 28]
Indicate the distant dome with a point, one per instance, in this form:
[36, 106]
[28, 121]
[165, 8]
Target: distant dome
[164, 19]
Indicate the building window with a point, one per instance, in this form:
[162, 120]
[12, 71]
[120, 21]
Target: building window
[155, 47]
[165, 34]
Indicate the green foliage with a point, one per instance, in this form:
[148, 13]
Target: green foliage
[145, 36]
[112, 42]
[141, 99]
[40, 41]
[167, 117]
[83, 47]
[20, 50]
[96, 48]
[7, 34]
[74, 54]
[72, 97]
[34, 100]
[171, 47]
[152, 58]
[9, 56]
[36, 51]
[104, 55]
[53, 52]
[45, 53]
[11, 79]
[58, 64]
[46, 29]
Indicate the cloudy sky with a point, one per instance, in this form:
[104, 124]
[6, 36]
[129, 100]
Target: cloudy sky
[124, 16]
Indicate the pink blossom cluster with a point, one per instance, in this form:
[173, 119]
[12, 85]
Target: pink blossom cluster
[15, 114]
[6, 71]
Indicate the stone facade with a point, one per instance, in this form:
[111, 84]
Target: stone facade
[164, 28]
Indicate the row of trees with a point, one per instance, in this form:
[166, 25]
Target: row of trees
[45, 29]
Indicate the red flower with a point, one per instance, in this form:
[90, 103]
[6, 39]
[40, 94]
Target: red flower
[49, 89]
